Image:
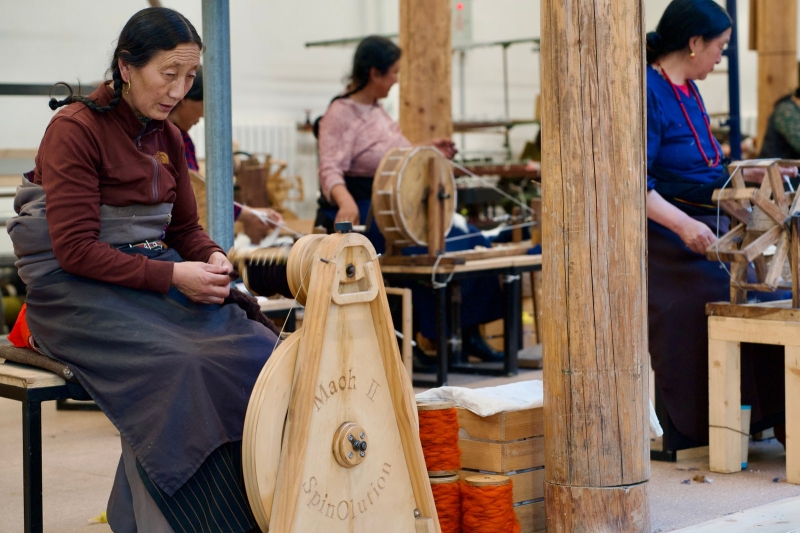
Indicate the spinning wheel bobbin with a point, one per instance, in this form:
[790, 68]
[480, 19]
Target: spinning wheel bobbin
[330, 441]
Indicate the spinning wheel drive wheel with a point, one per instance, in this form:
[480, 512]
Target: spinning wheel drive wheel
[330, 438]
[760, 234]
[400, 194]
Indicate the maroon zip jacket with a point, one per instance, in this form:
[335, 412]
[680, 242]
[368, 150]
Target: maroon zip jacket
[87, 159]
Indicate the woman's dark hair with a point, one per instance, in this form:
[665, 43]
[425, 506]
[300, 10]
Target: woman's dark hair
[372, 52]
[682, 20]
[196, 92]
[149, 31]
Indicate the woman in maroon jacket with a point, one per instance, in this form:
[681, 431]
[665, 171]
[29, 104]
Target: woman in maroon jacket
[125, 287]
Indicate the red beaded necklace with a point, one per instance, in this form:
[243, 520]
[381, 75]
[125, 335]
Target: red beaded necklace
[689, 122]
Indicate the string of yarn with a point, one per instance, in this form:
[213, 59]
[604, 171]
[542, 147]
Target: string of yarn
[438, 433]
[447, 498]
[488, 509]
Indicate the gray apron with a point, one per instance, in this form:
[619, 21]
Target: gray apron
[174, 376]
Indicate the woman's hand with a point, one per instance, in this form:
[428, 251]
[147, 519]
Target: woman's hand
[255, 227]
[203, 283]
[444, 145]
[348, 209]
[273, 217]
[696, 235]
[221, 260]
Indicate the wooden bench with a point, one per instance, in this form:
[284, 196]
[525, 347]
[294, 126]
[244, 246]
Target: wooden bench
[31, 386]
[729, 325]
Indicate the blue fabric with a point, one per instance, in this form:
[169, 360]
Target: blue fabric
[670, 142]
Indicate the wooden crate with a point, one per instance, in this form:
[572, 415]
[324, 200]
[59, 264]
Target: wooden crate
[516, 425]
[510, 444]
[493, 456]
[531, 516]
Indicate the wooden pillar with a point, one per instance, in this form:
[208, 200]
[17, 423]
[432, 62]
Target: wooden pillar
[595, 296]
[776, 42]
[425, 69]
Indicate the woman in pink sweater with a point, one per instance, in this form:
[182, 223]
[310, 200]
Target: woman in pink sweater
[355, 134]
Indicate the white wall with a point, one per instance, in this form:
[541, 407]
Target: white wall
[274, 77]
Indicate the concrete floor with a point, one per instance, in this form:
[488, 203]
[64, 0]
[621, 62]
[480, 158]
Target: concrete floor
[81, 450]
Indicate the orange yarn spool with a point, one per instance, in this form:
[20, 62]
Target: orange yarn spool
[447, 498]
[487, 505]
[438, 433]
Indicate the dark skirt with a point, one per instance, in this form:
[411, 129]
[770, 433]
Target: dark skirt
[212, 501]
[172, 375]
[681, 282]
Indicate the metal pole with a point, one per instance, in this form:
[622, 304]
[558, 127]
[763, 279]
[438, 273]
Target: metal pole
[506, 100]
[462, 56]
[217, 109]
[505, 82]
[735, 118]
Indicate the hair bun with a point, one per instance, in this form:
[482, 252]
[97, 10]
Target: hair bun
[653, 40]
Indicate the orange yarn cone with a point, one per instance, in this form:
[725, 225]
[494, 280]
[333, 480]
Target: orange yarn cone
[487, 505]
[438, 433]
[447, 498]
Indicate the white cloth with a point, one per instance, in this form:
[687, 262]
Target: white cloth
[512, 397]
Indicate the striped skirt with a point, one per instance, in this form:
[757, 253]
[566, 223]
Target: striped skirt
[212, 501]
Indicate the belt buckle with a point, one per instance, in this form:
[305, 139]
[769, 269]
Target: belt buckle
[147, 245]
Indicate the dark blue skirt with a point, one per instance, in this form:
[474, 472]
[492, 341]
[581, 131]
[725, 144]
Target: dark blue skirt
[172, 375]
[680, 284]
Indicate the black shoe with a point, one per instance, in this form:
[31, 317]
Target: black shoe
[473, 344]
[424, 363]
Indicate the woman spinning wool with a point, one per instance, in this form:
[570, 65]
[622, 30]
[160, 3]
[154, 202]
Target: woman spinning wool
[354, 135]
[684, 166]
[126, 289]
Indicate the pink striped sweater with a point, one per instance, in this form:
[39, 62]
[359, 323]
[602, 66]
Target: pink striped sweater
[353, 138]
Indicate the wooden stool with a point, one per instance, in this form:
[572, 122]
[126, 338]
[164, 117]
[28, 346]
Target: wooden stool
[32, 386]
[728, 326]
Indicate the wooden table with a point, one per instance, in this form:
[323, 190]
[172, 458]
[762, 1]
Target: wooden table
[729, 325]
[510, 268]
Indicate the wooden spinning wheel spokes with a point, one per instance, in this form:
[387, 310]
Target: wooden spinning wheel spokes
[760, 219]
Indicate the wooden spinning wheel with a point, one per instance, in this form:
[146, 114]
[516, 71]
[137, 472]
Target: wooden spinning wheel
[331, 439]
[414, 197]
[760, 219]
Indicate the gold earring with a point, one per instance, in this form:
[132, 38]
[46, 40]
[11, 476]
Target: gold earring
[691, 55]
[126, 88]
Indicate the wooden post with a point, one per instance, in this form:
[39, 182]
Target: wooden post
[792, 384]
[776, 41]
[595, 297]
[425, 69]
[795, 259]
